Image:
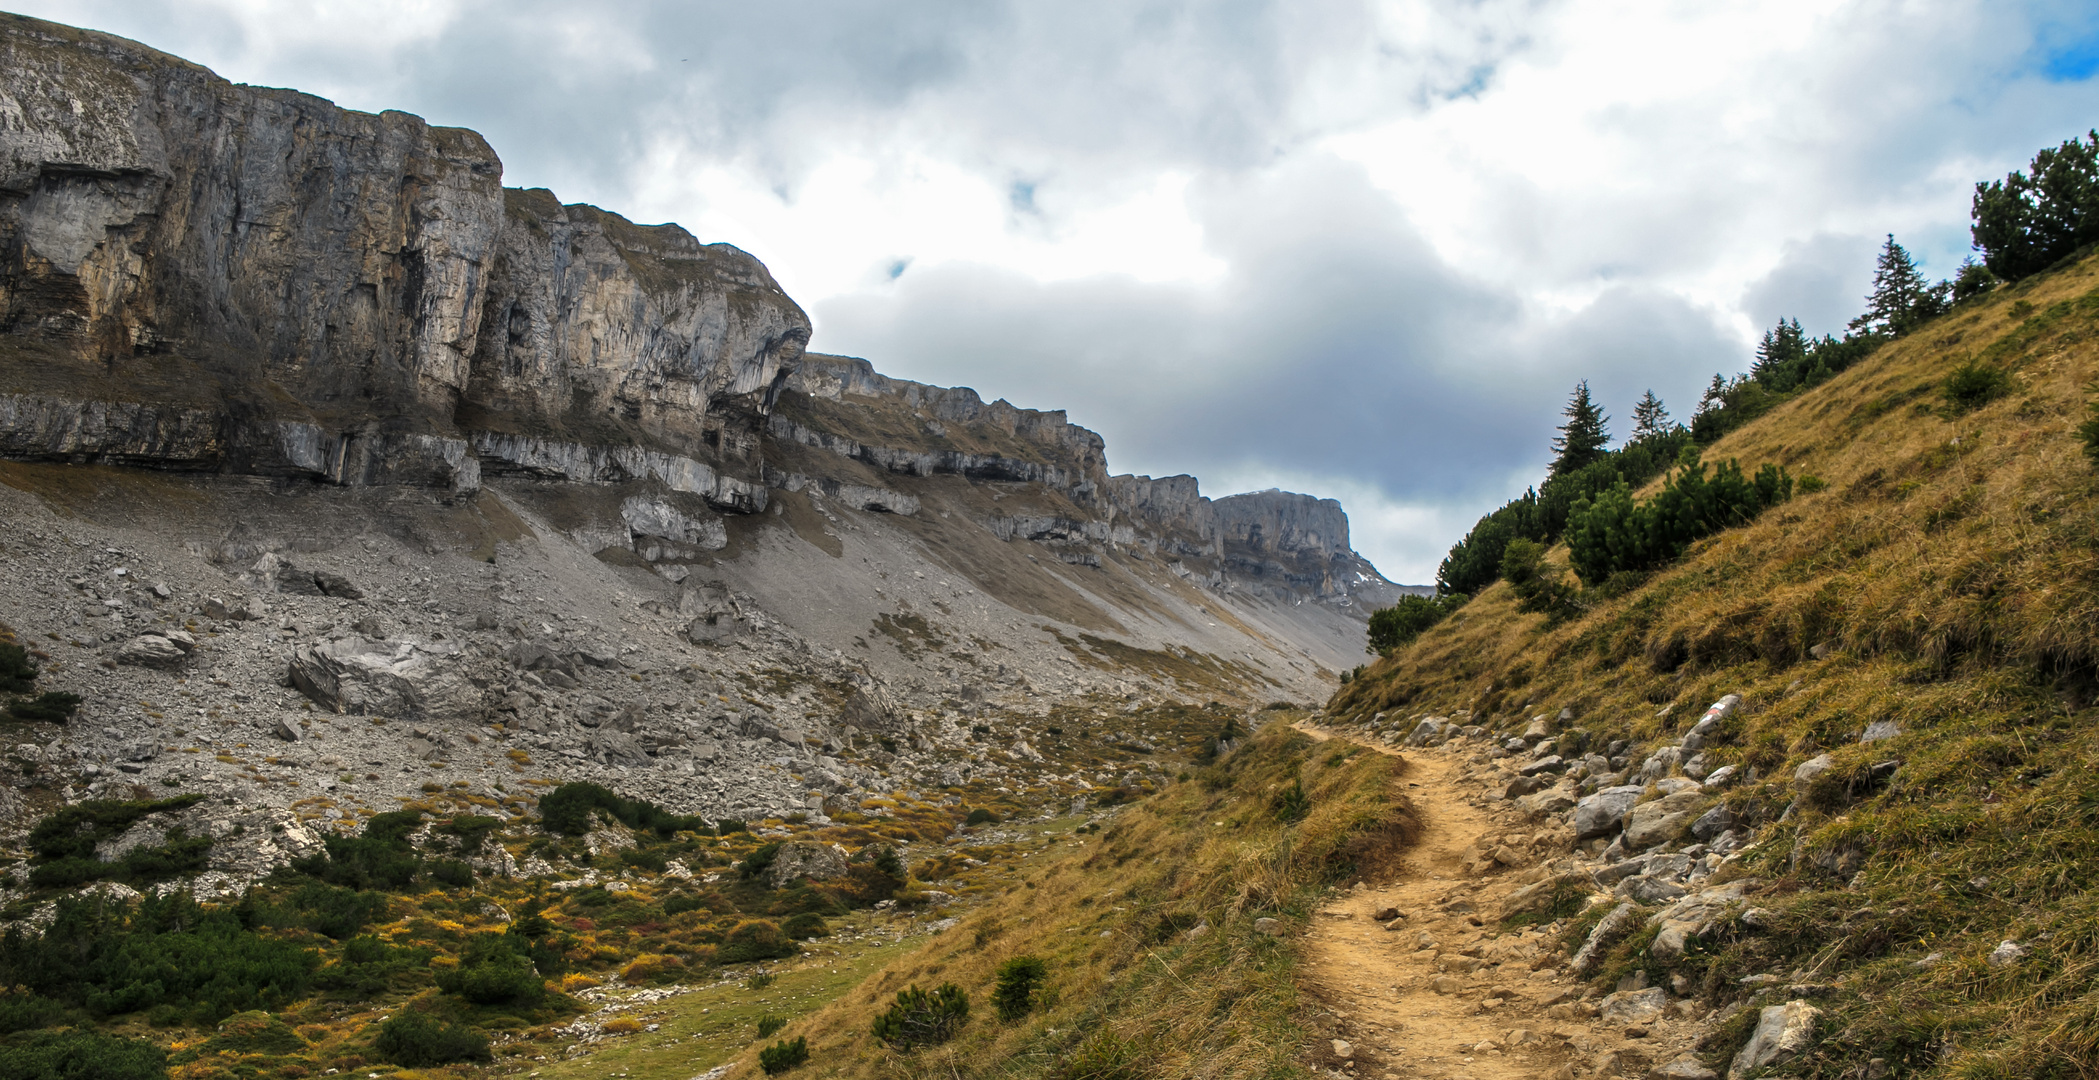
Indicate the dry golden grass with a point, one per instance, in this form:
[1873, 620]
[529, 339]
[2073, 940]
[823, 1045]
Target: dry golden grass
[1110, 914]
[1948, 579]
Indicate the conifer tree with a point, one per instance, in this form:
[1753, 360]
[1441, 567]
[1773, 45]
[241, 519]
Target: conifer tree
[1901, 297]
[1715, 396]
[1780, 354]
[1649, 417]
[1583, 437]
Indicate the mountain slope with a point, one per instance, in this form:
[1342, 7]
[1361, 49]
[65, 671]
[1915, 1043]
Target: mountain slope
[1916, 648]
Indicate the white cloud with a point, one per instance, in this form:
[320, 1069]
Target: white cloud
[1365, 245]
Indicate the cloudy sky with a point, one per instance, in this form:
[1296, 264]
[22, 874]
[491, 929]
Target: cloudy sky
[1358, 249]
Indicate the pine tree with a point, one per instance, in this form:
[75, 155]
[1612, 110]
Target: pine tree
[1715, 397]
[1901, 297]
[1649, 417]
[1780, 356]
[1583, 437]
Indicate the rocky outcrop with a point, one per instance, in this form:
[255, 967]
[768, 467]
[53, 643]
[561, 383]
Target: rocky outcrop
[200, 275]
[209, 277]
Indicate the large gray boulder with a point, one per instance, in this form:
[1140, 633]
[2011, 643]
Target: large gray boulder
[1601, 814]
[161, 649]
[1783, 1032]
[1660, 821]
[402, 679]
[800, 859]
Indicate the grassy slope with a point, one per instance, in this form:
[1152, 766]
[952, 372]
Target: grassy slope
[1130, 994]
[1950, 576]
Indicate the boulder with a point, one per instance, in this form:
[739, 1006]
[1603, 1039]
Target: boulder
[336, 585]
[1783, 1032]
[1713, 822]
[408, 680]
[1427, 730]
[1660, 821]
[1813, 768]
[1721, 777]
[800, 859]
[1605, 934]
[1634, 1006]
[1551, 763]
[160, 650]
[1661, 763]
[1601, 814]
[1523, 785]
[1550, 802]
[1702, 733]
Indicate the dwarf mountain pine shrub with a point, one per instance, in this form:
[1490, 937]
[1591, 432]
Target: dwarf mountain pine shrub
[923, 1018]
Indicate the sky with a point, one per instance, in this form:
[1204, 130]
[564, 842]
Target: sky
[1362, 250]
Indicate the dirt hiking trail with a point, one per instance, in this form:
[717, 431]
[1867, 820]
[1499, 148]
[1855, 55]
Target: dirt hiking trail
[1443, 989]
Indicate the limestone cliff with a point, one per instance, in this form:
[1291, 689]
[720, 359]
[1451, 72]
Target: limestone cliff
[207, 278]
[203, 275]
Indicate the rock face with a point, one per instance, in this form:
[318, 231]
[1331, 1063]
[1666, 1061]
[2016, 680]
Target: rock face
[205, 275]
[201, 276]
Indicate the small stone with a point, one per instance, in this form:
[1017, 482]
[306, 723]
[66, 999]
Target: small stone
[1343, 1050]
[2006, 954]
[1686, 1067]
[1387, 914]
[288, 731]
[1636, 1031]
[1445, 984]
[1880, 730]
[1271, 927]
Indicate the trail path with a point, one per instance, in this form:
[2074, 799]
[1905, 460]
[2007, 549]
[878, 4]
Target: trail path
[1448, 993]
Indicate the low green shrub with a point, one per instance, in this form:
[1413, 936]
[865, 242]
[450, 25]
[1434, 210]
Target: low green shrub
[23, 1011]
[51, 707]
[782, 1056]
[758, 861]
[756, 939]
[923, 1018]
[805, 926]
[381, 858]
[980, 816]
[1611, 533]
[1018, 981]
[450, 872]
[1291, 804]
[770, 1025]
[77, 1054]
[1395, 626]
[416, 1039]
[1973, 385]
[493, 970]
[568, 809]
[17, 672]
